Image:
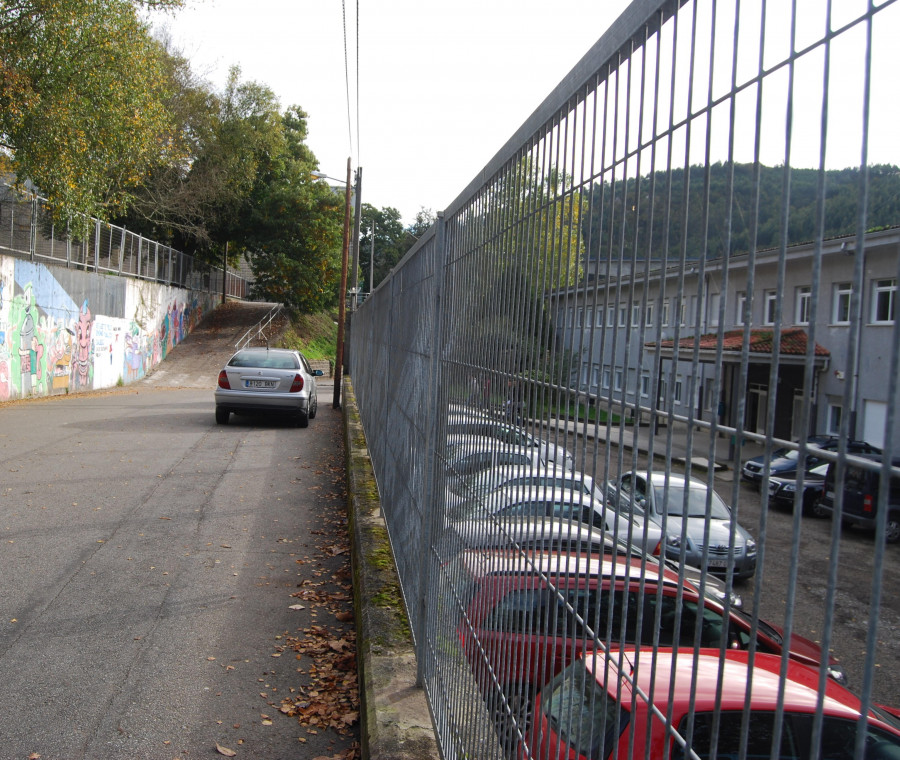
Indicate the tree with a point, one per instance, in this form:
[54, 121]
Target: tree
[293, 228]
[82, 88]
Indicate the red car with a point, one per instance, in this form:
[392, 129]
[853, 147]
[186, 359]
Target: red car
[598, 708]
[527, 619]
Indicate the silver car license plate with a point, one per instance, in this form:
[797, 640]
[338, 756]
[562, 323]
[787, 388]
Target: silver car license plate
[259, 383]
[717, 563]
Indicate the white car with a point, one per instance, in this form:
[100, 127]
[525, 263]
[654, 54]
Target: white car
[549, 475]
[276, 381]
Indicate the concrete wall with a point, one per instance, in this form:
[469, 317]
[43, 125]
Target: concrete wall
[66, 330]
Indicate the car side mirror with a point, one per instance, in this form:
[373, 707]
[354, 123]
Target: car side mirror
[317, 373]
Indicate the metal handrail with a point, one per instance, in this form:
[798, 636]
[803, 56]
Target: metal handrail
[258, 327]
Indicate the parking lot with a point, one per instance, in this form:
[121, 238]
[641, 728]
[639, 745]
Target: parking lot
[769, 589]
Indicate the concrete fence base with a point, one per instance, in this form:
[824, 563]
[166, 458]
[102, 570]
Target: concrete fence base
[395, 719]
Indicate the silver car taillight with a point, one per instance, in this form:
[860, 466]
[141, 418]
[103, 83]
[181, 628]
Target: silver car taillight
[223, 380]
[297, 385]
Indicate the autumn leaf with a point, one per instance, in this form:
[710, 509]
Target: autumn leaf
[225, 751]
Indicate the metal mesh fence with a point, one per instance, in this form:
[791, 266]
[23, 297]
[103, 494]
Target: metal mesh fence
[27, 230]
[616, 391]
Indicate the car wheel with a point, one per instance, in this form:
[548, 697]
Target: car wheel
[302, 420]
[816, 509]
[313, 407]
[521, 700]
[892, 529]
[222, 415]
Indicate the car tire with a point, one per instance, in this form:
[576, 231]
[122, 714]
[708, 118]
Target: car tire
[521, 701]
[222, 415]
[814, 509]
[302, 420]
[313, 407]
[892, 529]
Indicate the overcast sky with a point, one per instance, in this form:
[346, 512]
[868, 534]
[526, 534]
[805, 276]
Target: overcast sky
[442, 86]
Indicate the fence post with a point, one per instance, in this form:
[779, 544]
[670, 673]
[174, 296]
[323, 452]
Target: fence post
[432, 431]
[32, 240]
[96, 245]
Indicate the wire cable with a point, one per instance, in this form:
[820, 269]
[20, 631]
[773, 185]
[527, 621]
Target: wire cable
[347, 75]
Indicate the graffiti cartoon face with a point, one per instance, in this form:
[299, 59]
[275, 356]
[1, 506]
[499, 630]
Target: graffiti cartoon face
[82, 365]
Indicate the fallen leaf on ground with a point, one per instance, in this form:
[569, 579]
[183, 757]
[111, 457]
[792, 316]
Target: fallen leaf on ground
[225, 751]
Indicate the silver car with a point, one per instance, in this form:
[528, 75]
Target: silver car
[483, 426]
[515, 503]
[267, 381]
[683, 504]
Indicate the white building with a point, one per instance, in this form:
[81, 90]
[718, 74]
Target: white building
[675, 340]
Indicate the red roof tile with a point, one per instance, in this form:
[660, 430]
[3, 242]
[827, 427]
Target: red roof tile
[793, 342]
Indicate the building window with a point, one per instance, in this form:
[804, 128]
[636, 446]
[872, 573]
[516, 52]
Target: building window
[665, 313]
[649, 315]
[571, 317]
[623, 315]
[884, 301]
[678, 389]
[645, 384]
[599, 316]
[595, 375]
[714, 304]
[584, 375]
[770, 308]
[841, 312]
[636, 314]
[606, 376]
[589, 316]
[610, 316]
[618, 379]
[835, 412]
[741, 307]
[580, 322]
[804, 304]
[682, 312]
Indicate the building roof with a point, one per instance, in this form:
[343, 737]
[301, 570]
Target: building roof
[794, 341]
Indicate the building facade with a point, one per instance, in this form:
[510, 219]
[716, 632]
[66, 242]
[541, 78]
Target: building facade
[696, 340]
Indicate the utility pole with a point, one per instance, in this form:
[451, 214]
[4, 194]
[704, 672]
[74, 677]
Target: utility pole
[342, 308]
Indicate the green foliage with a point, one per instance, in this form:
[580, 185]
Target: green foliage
[314, 335]
[82, 92]
[391, 240]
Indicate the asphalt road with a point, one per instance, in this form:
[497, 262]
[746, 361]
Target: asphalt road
[148, 558]
[854, 561]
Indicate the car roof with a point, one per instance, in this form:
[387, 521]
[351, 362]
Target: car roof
[504, 562]
[518, 494]
[697, 678]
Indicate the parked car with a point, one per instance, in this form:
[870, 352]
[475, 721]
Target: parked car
[484, 426]
[469, 455]
[590, 708]
[552, 476]
[784, 461]
[551, 534]
[275, 381]
[683, 504]
[861, 495]
[528, 618]
[488, 513]
[783, 491]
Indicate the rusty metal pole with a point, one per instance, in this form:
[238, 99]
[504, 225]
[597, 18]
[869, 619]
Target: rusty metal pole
[339, 358]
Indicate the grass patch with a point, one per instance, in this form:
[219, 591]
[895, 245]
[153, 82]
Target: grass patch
[314, 335]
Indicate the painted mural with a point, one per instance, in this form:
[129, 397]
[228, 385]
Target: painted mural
[64, 332]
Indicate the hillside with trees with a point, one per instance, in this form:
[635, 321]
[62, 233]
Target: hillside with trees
[748, 196]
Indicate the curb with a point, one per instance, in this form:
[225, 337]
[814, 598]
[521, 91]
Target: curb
[395, 722]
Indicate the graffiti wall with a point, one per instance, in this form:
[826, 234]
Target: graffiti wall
[63, 330]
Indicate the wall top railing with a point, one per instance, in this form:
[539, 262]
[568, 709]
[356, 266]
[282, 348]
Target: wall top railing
[27, 230]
